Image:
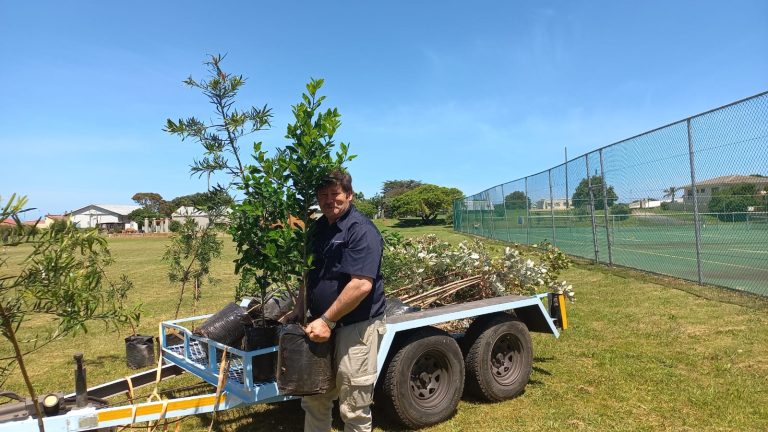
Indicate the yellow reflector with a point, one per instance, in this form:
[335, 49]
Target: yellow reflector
[563, 317]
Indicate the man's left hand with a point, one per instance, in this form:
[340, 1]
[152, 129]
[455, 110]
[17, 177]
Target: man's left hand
[318, 331]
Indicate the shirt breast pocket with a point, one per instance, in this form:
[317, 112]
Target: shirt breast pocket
[333, 255]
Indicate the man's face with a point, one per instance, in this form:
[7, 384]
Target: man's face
[333, 202]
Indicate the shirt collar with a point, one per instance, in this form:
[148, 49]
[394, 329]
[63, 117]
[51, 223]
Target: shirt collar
[342, 221]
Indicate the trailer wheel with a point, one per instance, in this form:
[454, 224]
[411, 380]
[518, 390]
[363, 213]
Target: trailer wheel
[424, 380]
[499, 357]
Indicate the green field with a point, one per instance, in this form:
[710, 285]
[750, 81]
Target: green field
[733, 254]
[643, 354]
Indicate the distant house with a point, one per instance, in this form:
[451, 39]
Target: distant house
[183, 213]
[104, 216]
[556, 204]
[645, 203]
[43, 223]
[705, 188]
[50, 219]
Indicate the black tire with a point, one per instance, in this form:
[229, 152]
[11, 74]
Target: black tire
[424, 380]
[499, 358]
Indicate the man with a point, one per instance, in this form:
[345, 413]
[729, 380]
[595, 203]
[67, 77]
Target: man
[346, 301]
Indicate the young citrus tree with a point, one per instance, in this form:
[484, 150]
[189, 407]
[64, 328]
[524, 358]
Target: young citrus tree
[307, 161]
[61, 278]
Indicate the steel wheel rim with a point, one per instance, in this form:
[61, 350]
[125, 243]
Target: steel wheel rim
[506, 359]
[430, 379]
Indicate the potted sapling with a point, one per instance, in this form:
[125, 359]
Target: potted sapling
[139, 349]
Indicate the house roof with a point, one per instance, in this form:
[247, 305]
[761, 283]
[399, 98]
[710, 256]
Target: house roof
[10, 221]
[188, 211]
[56, 217]
[121, 209]
[732, 179]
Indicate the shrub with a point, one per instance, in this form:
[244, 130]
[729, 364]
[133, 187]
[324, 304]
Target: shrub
[174, 226]
[620, 212]
[735, 199]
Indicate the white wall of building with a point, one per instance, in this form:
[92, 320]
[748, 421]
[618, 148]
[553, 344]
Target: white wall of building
[92, 217]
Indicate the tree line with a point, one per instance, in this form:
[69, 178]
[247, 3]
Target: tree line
[409, 198]
[154, 206]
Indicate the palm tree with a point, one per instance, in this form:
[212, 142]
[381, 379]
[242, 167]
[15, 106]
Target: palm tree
[671, 192]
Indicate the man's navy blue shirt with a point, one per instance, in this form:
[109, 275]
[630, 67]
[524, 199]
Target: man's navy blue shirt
[350, 246]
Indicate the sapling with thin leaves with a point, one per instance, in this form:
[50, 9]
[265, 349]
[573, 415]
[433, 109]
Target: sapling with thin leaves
[220, 139]
[189, 256]
[62, 278]
[117, 294]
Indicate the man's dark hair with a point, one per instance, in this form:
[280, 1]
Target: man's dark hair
[337, 178]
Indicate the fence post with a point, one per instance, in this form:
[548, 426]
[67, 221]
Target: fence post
[482, 216]
[467, 222]
[493, 211]
[696, 222]
[527, 215]
[552, 208]
[592, 210]
[605, 210]
[566, 180]
[504, 203]
[456, 218]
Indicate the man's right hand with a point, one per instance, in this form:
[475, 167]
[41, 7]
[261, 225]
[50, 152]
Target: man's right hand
[318, 331]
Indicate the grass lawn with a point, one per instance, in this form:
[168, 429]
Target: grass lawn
[643, 354]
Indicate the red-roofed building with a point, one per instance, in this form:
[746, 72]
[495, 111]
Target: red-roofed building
[50, 219]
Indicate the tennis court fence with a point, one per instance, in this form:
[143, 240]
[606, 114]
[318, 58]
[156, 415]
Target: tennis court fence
[689, 200]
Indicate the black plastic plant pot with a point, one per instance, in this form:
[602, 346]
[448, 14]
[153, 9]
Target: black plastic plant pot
[139, 351]
[258, 337]
[225, 326]
[303, 367]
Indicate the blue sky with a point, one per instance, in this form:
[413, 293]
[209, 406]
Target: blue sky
[455, 93]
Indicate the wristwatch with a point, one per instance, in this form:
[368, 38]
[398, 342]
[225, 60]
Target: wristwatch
[328, 322]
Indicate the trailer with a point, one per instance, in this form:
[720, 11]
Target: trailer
[423, 371]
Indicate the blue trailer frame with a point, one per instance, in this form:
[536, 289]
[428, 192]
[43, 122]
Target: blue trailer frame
[190, 354]
[240, 389]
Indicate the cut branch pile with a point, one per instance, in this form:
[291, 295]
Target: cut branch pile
[441, 294]
[428, 272]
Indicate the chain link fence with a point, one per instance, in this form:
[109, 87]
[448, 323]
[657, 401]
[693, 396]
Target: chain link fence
[689, 200]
